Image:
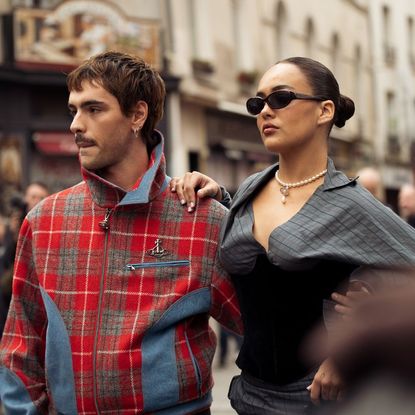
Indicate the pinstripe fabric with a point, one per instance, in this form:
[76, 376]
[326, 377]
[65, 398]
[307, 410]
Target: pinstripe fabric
[341, 228]
[341, 222]
[250, 397]
[108, 307]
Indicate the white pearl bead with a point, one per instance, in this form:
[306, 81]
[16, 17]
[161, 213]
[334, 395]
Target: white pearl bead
[286, 186]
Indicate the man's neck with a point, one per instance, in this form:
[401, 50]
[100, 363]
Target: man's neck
[126, 173]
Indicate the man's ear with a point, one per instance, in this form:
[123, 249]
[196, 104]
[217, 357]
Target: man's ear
[139, 116]
[327, 110]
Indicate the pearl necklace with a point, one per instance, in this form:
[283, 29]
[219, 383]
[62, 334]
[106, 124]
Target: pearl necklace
[285, 187]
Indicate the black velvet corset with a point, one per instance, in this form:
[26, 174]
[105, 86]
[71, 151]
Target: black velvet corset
[279, 308]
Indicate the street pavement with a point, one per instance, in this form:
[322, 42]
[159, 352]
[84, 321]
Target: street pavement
[222, 377]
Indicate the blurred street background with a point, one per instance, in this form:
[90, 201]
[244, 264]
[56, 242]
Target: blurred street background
[210, 54]
[222, 375]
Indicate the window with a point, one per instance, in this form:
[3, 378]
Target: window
[388, 50]
[200, 30]
[411, 41]
[242, 44]
[358, 83]
[194, 160]
[246, 75]
[393, 144]
[46, 4]
[310, 38]
[335, 55]
[282, 31]
[201, 47]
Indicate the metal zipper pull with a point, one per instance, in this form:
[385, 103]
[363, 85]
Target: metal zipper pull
[105, 223]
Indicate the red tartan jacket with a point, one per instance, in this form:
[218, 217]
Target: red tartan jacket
[112, 295]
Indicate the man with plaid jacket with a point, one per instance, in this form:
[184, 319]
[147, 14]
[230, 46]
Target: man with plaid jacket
[114, 281]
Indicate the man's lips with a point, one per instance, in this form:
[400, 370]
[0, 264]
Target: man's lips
[84, 145]
[83, 142]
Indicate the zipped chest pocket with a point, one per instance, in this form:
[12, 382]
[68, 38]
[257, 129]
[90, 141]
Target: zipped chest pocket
[157, 264]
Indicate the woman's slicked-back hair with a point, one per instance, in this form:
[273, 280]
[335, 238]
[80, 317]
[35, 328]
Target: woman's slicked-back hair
[130, 80]
[323, 82]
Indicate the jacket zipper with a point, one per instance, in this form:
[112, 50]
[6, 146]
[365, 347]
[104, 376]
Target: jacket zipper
[104, 225]
[178, 263]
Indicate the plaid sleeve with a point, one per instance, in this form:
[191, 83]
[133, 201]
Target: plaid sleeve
[22, 347]
[224, 305]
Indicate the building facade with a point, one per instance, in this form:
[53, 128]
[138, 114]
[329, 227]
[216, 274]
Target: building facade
[41, 41]
[211, 53]
[393, 59]
[219, 47]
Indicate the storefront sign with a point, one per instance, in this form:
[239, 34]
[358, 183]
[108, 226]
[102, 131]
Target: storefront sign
[78, 29]
[55, 143]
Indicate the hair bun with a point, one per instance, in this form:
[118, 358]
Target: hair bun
[344, 111]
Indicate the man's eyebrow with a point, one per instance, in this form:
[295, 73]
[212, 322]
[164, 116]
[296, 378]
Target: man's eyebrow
[87, 103]
[275, 88]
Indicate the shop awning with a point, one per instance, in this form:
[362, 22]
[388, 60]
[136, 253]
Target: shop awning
[55, 143]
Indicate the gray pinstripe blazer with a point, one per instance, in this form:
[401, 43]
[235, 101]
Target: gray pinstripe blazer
[341, 222]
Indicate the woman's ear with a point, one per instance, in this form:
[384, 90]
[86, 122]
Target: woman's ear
[327, 110]
[139, 116]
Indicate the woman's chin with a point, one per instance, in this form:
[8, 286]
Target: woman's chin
[271, 144]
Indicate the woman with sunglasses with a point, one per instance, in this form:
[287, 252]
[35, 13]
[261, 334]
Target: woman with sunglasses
[294, 233]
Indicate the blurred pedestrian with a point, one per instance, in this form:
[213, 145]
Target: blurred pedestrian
[294, 233]
[114, 282]
[3, 308]
[34, 193]
[406, 202]
[226, 336]
[3, 233]
[18, 212]
[369, 177]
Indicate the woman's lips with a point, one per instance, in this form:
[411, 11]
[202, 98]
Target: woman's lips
[269, 129]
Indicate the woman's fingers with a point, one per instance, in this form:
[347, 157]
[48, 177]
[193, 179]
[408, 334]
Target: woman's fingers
[315, 390]
[210, 190]
[192, 185]
[176, 186]
[191, 182]
[347, 303]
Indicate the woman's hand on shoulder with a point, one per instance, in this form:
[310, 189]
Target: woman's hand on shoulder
[194, 185]
[327, 383]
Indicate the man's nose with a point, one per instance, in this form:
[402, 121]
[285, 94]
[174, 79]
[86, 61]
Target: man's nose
[77, 125]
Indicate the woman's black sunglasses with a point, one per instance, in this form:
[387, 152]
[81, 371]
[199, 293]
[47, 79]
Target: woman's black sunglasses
[276, 100]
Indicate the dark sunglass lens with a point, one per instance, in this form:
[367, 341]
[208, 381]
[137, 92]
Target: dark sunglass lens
[255, 105]
[279, 99]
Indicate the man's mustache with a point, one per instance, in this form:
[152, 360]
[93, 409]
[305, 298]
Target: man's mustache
[80, 140]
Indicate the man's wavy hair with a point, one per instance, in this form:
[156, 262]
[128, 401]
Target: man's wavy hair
[130, 80]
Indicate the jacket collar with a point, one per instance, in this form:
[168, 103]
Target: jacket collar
[153, 182]
[335, 178]
[332, 180]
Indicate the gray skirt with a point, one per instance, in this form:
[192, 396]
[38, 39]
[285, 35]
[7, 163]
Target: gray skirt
[251, 396]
